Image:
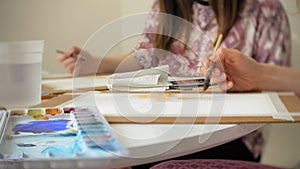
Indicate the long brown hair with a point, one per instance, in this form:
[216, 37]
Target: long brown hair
[226, 13]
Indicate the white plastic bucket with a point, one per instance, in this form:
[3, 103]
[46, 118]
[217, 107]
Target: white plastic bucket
[20, 73]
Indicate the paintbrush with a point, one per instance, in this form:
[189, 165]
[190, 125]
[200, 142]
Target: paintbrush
[77, 57]
[212, 64]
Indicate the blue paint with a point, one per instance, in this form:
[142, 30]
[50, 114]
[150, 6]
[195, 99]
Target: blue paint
[106, 148]
[94, 132]
[89, 123]
[92, 127]
[42, 126]
[57, 151]
[78, 146]
[72, 134]
[66, 151]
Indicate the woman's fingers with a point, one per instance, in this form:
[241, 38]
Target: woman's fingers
[62, 57]
[71, 68]
[69, 64]
[226, 85]
[218, 79]
[205, 64]
[68, 59]
[74, 50]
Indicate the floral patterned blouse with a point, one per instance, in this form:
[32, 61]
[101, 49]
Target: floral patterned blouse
[261, 31]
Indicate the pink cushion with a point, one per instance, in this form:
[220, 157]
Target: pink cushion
[210, 164]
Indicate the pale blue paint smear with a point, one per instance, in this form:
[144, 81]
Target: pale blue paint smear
[59, 151]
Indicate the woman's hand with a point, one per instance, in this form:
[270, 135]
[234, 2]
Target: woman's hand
[79, 62]
[68, 60]
[235, 71]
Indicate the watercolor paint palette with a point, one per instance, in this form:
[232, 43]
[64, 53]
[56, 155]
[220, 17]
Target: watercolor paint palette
[62, 133]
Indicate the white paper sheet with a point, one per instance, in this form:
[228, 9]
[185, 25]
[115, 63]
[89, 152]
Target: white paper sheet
[146, 80]
[155, 79]
[77, 83]
[177, 105]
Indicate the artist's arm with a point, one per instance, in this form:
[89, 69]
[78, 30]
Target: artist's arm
[96, 65]
[237, 72]
[280, 78]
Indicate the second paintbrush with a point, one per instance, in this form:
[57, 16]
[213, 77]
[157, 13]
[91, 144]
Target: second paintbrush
[78, 57]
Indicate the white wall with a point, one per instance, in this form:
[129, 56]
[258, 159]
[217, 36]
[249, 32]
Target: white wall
[290, 7]
[61, 23]
[138, 8]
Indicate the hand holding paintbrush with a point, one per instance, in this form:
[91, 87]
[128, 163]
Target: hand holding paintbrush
[70, 58]
[79, 62]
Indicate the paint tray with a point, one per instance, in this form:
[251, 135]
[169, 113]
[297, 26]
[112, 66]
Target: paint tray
[57, 133]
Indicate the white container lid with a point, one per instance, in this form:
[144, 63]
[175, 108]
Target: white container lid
[21, 51]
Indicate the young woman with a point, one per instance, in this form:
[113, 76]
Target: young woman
[257, 28]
